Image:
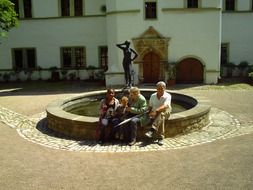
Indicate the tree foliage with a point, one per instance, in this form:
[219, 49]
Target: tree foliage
[8, 16]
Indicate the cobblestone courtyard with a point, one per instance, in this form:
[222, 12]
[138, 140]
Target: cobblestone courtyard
[23, 111]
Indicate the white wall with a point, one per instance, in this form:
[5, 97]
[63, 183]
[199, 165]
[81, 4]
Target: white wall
[237, 30]
[45, 8]
[243, 5]
[48, 35]
[172, 4]
[192, 33]
[51, 8]
[93, 7]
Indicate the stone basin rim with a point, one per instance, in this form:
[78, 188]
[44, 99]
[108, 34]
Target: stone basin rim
[56, 107]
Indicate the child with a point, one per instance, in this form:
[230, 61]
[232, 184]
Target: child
[120, 115]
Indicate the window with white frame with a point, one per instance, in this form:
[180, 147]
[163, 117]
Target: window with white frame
[229, 5]
[192, 3]
[150, 10]
[103, 57]
[71, 7]
[23, 8]
[24, 58]
[73, 57]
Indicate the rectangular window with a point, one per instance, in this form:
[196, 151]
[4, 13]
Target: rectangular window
[192, 4]
[23, 8]
[79, 57]
[30, 53]
[65, 8]
[18, 59]
[16, 6]
[103, 57]
[224, 54]
[66, 57]
[230, 5]
[27, 8]
[150, 10]
[71, 7]
[78, 10]
[73, 57]
[24, 58]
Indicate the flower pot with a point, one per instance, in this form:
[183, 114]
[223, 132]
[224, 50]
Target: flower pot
[171, 82]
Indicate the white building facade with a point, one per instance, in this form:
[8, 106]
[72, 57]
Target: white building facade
[70, 37]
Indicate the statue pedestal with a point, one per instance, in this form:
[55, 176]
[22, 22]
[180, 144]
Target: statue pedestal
[114, 78]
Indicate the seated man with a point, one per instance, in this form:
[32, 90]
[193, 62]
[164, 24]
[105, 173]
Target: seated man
[160, 108]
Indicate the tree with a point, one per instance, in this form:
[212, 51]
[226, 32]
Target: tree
[8, 16]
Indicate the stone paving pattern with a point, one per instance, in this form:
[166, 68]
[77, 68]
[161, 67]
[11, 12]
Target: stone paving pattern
[224, 162]
[33, 128]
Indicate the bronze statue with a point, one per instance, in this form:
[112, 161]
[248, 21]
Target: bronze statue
[127, 60]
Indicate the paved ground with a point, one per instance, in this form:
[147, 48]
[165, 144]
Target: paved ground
[223, 163]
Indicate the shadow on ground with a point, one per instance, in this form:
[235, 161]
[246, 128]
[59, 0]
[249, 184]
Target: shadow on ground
[60, 87]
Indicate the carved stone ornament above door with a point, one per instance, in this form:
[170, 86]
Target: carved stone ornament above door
[151, 40]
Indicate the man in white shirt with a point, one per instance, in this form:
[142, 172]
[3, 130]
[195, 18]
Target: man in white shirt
[160, 108]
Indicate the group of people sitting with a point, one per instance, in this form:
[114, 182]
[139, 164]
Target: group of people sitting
[138, 113]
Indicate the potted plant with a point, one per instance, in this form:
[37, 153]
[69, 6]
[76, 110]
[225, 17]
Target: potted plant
[91, 72]
[230, 68]
[78, 67]
[55, 75]
[17, 73]
[39, 68]
[250, 74]
[64, 73]
[243, 68]
[100, 75]
[251, 77]
[29, 73]
[6, 77]
[72, 76]
[171, 74]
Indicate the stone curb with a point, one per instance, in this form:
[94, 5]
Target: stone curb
[34, 129]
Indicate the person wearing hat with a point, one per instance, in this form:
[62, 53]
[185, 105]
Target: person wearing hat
[127, 60]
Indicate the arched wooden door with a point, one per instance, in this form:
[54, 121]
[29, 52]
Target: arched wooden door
[151, 67]
[190, 71]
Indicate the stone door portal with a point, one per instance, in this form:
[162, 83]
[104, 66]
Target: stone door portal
[152, 49]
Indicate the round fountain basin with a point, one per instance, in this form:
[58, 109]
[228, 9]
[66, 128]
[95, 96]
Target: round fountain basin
[191, 114]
